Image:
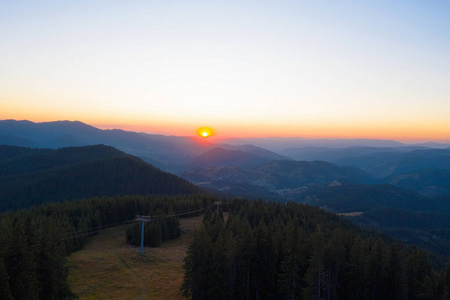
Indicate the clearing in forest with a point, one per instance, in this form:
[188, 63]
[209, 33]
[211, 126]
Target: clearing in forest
[108, 268]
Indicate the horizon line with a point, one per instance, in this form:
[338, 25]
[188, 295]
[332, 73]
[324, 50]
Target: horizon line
[128, 128]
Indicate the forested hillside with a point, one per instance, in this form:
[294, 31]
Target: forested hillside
[384, 164]
[403, 214]
[34, 176]
[264, 251]
[34, 243]
[275, 180]
[359, 197]
[274, 251]
[431, 182]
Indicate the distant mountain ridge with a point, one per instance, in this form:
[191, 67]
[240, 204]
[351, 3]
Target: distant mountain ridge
[223, 157]
[279, 143]
[169, 153]
[427, 181]
[34, 176]
[382, 159]
[340, 155]
[383, 164]
[254, 150]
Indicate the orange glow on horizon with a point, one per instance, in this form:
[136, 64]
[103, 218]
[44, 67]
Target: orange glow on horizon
[399, 132]
[418, 130]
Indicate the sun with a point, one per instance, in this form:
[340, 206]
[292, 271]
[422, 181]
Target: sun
[205, 132]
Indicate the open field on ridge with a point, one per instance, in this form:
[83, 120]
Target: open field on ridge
[108, 268]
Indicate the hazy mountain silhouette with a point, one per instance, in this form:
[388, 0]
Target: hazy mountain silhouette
[380, 158]
[254, 150]
[386, 164]
[341, 156]
[222, 157]
[169, 153]
[278, 144]
[431, 182]
[16, 141]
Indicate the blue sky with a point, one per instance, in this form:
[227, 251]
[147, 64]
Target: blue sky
[245, 68]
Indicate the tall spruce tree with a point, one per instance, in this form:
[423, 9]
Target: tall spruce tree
[5, 291]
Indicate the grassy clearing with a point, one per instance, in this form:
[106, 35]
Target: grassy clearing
[108, 268]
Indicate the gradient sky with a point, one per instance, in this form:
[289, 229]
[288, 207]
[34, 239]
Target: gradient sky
[373, 69]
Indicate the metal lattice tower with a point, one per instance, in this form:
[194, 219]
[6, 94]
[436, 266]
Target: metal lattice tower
[143, 219]
[218, 203]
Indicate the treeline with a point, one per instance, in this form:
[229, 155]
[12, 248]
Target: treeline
[359, 197]
[406, 215]
[274, 251]
[34, 243]
[428, 230]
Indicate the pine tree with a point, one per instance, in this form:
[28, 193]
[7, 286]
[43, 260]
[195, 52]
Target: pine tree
[245, 260]
[20, 260]
[197, 266]
[396, 283]
[52, 270]
[315, 274]
[265, 257]
[5, 292]
[220, 269]
[447, 279]
[293, 265]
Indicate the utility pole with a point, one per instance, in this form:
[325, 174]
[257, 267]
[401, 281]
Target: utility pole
[218, 203]
[143, 219]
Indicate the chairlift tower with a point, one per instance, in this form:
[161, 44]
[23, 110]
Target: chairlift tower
[143, 219]
[218, 203]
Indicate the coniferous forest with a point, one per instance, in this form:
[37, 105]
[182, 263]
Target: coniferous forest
[163, 227]
[273, 251]
[260, 250]
[35, 242]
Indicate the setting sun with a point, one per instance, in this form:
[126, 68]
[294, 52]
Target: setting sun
[205, 132]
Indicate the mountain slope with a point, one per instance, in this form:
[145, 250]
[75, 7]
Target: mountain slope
[222, 157]
[256, 151]
[292, 174]
[80, 172]
[387, 164]
[279, 143]
[276, 179]
[336, 155]
[431, 182]
[358, 197]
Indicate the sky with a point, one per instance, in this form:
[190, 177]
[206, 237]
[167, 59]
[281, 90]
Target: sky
[315, 69]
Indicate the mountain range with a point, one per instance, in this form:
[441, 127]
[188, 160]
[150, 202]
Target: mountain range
[415, 167]
[382, 184]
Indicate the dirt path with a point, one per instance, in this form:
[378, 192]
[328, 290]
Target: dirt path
[108, 268]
